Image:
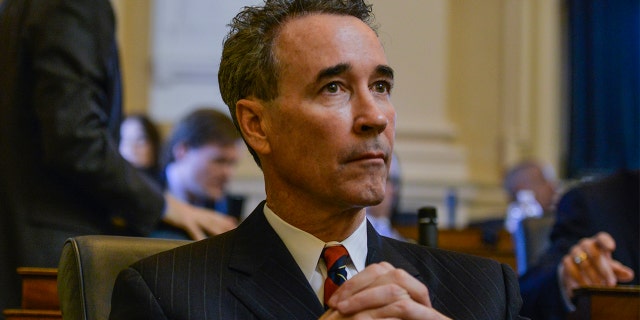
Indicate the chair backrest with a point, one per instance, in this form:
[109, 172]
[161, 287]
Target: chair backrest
[532, 240]
[89, 266]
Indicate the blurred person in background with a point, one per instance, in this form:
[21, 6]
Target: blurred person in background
[595, 241]
[533, 175]
[140, 143]
[381, 215]
[199, 160]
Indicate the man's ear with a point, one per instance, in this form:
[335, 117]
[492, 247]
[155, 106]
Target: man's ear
[251, 119]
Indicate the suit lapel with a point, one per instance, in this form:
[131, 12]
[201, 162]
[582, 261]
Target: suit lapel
[267, 274]
[378, 251]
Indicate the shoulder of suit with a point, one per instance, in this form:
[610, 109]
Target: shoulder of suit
[421, 252]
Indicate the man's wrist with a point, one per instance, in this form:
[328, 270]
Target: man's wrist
[563, 293]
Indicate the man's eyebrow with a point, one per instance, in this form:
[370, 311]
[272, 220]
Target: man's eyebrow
[332, 71]
[385, 71]
[381, 70]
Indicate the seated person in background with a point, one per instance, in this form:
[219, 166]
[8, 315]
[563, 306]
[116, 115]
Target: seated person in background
[308, 86]
[595, 241]
[140, 143]
[532, 175]
[199, 160]
[382, 214]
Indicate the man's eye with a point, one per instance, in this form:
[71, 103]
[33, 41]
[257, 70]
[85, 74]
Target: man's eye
[332, 87]
[381, 87]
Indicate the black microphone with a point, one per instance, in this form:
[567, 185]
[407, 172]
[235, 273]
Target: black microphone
[428, 227]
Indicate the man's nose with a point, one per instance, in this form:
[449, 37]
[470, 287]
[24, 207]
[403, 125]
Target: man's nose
[370, 114]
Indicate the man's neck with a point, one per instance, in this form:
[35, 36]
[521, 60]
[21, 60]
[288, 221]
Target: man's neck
[327, 219]
[325, 225]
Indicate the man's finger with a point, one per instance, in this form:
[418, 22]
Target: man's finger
[605, 241]
[359, 281]
[622, 272]
[597, 264]
[407, 309]
[389, 285]
[572, 271]
[372, 298]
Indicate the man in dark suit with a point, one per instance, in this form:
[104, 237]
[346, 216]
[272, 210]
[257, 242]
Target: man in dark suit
[594, 241]
[308, 85]
[60, 171]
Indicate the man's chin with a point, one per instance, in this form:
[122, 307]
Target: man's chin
[371, 199]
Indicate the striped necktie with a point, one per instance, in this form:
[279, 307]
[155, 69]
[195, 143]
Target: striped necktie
[336, 259]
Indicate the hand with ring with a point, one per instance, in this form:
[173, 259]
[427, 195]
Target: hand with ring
[590, 263]
[580, 257]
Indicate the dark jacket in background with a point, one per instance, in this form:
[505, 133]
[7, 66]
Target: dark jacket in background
[60, 107]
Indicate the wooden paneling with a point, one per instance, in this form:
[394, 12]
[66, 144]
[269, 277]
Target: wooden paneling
[24, 314]
[39, 295]
[39, 288]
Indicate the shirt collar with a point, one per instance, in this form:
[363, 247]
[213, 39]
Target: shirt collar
[306, 248]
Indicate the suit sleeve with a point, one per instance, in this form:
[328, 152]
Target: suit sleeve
[540, 286]
[132, 299]
[514, 301]
[75, 68]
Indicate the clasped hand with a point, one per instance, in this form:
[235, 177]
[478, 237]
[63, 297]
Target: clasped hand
[382, 291]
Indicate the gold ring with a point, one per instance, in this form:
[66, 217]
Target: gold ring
[579, 258]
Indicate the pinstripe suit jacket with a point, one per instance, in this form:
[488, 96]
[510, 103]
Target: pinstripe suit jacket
[248, 273]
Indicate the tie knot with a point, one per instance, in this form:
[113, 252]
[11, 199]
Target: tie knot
[333, 254]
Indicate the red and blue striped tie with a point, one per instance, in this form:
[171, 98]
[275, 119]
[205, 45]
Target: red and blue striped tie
[336, 259]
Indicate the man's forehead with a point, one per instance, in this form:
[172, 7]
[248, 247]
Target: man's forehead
[326, 39]
[318, 26]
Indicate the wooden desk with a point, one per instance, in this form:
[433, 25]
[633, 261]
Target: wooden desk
[470, 241]
[39, 296]
[599, 303]
[25, 314]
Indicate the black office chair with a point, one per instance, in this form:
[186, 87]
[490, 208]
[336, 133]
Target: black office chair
[89, 266]
[531, 240]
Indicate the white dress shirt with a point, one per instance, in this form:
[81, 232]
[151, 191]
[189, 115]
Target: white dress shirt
[306, 250]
